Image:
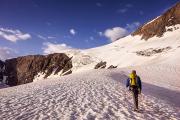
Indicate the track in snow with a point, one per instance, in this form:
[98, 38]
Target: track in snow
[91, 95]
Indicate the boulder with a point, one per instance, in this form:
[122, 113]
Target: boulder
[112, 66]
[100, 65]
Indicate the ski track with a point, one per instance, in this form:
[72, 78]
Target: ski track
[88, 96]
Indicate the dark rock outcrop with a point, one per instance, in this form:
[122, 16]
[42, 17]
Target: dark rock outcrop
[150, 52]
[2, 64]
[100, 65]
[112, 66]
[22, 70]
[158, 26]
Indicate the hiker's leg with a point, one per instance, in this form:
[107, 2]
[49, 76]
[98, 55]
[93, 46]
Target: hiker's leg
[136, 99]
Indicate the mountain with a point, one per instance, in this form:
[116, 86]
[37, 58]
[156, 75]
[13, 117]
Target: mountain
[91, 93]
[162, 47]
[161, 24]
[134, 53]
[24, 69]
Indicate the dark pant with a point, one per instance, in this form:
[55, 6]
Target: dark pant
[134, 90]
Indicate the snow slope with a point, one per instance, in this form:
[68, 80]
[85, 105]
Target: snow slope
[95, 94]
[123, 52]
[162, 67]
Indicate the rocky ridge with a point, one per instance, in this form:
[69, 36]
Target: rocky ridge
[23, 69]
[159, 26]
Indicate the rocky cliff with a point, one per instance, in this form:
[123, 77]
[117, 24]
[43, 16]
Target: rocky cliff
[158, 26]
[22, 70]
[1, 70]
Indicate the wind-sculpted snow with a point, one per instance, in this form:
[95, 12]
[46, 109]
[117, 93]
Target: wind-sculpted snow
[96, 94]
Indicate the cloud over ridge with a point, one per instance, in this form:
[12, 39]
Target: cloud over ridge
[115, 33]
[6, 53]
[49, 48]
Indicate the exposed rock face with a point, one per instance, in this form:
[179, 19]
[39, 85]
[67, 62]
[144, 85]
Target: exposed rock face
[158, 26]
[150, 52]
[1, 65]
[1, 69]
[112, 66]
[100, 65]
[22, 70]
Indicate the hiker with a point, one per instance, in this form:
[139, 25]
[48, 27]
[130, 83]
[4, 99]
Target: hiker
[134, 84]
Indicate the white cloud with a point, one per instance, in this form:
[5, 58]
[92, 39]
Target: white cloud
[125, 9]
[141, 12]
[72, 31]
[13, 35]
[55, 48]
[91, 38]
[133, 26]
[6, 53]
[51, 37]
[129, 5]
[41, 37]
[118, 32]
[48, 23]
[100, 33]
[45, 38]
[87, 40]
[122, 10]
[115, 33]
[99, 4]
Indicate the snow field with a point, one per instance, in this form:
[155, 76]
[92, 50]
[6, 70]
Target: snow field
[91, 95]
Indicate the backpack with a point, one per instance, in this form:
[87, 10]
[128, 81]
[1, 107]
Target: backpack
[133, 80]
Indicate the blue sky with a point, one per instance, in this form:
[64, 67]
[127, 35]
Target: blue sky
[31, 26]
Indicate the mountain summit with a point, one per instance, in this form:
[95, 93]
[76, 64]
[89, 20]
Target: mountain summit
[161, 24]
